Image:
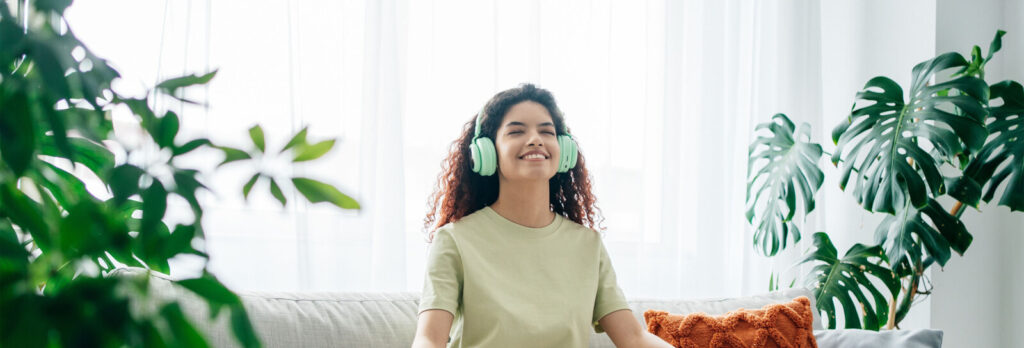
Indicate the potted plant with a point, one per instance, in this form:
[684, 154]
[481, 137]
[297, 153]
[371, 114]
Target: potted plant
[58, 239]
[958, 138]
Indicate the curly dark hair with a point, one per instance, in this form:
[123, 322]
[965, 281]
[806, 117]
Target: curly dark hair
[460, 191]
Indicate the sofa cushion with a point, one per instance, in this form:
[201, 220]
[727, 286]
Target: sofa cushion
[711, 306]
[851, 338]
[283, 319]
[782, 324]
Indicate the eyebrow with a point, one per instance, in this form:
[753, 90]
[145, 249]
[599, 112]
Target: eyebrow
[517, 123]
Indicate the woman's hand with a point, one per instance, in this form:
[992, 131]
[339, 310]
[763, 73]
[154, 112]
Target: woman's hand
[625, 331]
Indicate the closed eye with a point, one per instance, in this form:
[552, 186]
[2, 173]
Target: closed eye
[519, 132]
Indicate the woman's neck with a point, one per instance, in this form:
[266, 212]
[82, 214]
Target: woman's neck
[524, 202]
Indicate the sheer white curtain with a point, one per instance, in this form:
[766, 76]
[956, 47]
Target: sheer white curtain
[662, 96]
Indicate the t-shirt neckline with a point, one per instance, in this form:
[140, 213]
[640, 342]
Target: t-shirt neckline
[537, 231]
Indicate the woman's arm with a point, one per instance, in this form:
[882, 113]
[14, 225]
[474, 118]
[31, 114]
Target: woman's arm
[626, 331]
[433, 328]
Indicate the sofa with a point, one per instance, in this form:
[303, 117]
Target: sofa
[389, 319]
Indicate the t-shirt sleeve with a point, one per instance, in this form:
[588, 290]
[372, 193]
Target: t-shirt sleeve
[609, 297]
[442, 285]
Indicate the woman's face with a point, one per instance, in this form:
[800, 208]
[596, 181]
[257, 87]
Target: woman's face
[527, 143]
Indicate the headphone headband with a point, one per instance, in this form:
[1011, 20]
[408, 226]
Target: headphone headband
[479, 119]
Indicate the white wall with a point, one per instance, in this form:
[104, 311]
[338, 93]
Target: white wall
[974, 299]
[1012, 259]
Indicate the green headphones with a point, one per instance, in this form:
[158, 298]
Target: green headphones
[485, 157]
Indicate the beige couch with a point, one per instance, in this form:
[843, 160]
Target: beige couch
[378, 319]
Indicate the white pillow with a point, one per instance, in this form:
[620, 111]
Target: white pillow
[852, 338]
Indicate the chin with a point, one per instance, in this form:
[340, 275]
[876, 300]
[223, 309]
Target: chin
[534, 176]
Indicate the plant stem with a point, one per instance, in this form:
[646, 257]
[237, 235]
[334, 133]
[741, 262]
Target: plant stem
[908, 300]
[892, 314]
[957, 211]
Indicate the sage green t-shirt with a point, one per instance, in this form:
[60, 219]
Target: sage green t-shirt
[513, 286]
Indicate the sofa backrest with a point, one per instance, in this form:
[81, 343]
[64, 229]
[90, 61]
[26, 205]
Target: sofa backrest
[377, 319]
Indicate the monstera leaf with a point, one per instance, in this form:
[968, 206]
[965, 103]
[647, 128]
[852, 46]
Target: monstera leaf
[977, 66]
[845, 280]
[1001, 160]
[782, 163]
[882, 141]
[904, 233]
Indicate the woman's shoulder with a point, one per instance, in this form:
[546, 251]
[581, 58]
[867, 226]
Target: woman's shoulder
[577, 228]
[464, 223]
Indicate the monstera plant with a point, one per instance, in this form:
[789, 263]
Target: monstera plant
[959, 138]
[59, 239]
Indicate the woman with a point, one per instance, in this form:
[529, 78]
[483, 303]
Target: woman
[515, 260]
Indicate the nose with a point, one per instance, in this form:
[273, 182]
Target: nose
[535, 139]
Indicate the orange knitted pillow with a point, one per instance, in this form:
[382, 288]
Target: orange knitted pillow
[786, 325]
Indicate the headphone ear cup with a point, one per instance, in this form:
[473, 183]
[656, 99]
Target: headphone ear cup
[574, 154]
[567, 149]
[474, 154]
[487, 155]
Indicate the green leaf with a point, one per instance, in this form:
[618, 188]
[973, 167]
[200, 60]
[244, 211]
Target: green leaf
[182, 331]
[216, 294]
[242, 328]
[26, 213]
[232, 154]
[904, 233]
[65, 187]
[47, 61]
[976, 68]
[124, 182]
[90, 124]
[878, 140]
[171, 86]
[17, 133]
[964, 189]
[154, 206]
[312, 152]
[211, 289]
[297, 140]
[191, 145]
[168, 129]
[845, 280]
[12, 254]
[248, 185]
[60, 134]
[94, 156]
[316, 192]
[151, 247]
[52, 5]
[140, 107]
[256, 134]
[276, 191]
[1001, 159]
[180, 241]
[778, 165]
[996, 45]
[186, 186]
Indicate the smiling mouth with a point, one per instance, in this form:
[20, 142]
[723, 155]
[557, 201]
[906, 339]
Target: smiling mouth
[534, 157]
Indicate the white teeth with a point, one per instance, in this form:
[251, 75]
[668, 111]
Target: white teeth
[534, 156]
